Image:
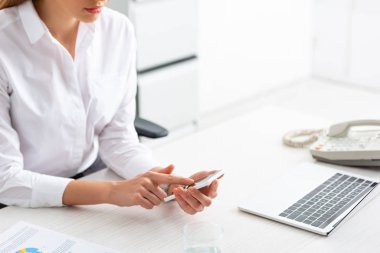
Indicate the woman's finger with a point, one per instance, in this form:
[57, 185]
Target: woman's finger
[203, 199]
[160, 178]
[172, 187]
[151, 197]
[191, 201]
[143, 202]
[156, 190]
[211, 190]
[182, 203]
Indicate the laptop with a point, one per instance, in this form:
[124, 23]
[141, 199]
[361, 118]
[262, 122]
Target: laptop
[312, 197]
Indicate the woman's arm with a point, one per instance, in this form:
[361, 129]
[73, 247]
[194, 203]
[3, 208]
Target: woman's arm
[18, 186]
[81, 192]
[144, 190]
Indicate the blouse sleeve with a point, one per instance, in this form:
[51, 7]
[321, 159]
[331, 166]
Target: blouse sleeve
[20, 187]
[119, 145]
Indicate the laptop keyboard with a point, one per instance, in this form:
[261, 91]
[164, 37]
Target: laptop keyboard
[329, 200]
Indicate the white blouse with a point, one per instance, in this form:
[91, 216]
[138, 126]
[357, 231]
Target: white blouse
[56, 113]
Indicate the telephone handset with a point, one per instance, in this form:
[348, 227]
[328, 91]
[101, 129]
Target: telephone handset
[341, 129]
[341, 144]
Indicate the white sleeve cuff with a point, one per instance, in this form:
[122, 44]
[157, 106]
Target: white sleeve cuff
[48, 191]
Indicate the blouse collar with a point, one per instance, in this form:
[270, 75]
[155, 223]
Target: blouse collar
[34, 27]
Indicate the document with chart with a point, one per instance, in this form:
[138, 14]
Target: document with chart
[27, 238]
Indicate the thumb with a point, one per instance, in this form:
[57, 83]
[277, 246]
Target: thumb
[168, 170]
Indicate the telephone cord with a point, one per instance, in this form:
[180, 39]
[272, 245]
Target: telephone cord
[311, 136]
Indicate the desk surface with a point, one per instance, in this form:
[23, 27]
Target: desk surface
[249, 149]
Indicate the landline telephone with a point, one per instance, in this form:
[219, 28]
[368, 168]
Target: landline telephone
[341, 143]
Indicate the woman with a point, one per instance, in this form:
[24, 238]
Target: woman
[67, 94]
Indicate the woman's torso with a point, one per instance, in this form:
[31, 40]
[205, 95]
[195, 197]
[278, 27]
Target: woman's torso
[58, 106]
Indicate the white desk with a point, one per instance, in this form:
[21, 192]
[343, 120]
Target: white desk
[249, 149]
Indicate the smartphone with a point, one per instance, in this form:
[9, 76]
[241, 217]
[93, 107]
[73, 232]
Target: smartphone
[200, 183]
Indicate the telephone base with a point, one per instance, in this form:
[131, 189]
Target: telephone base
[353, 163]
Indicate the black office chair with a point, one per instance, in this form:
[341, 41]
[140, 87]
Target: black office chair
[149, 129]
[146, 128]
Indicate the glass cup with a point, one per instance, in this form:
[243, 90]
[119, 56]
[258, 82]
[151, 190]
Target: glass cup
[202, 237]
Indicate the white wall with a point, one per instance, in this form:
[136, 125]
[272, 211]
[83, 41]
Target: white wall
[365, 43]
[347, 41]
[247, 46]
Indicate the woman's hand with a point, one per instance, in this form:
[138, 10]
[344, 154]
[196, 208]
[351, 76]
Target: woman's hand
[144, 189]
[193, 200]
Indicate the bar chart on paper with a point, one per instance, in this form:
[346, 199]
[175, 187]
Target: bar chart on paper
[29, 250]
[28, 238]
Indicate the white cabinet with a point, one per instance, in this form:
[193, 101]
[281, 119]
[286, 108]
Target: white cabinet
[166, 30]
[170, 95]
[166, 33]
